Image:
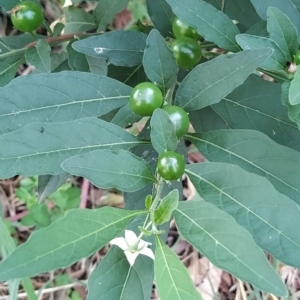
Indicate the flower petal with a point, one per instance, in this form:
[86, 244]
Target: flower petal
[143, 244]
[130, 237]
[148, 252]
[131, 257]
[120, 242]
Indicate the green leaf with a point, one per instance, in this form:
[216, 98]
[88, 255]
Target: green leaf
[159, 62]
[78, 20]
[163, 136]
[195, 93]
[166, 207]
[123, 279]
[46, 98]
[39, 57]
[172, 278]
[282, 32]
[227, 245]
[294, 92]
[287, 7]
[9, 67]
[48, 184]
[125, 116]
[248, 107]
[120, 47]
[260, 29]
[77, 61]
[39, 149]
[254, 152]
[97, 65]
[78, 234]
[161, 16]
[206, 119]
[255, 205]
[9, 4]
[211, 23]
[274, 62]
[106, 11]
[111, 169]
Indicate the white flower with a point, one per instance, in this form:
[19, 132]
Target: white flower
[132, 247]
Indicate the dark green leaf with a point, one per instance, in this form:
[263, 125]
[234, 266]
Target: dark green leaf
[274, 62]
[232, 70]
[78, 20]
[255, 205]
[9, 67]
[77, 61]
[172, 278]
[111, 169]
[282, 32]
[106, 11]
[125, 116]
[58, 97]
[256, 153]
[211, 23]
[121, 48]
[226, 244]
[163, 136]
[161, 16]
[256, 104]
[39, 57]
[9, 4]
[260, 29]
[159, 62]
[166, 207]
[294, 90]
[39, 149]
[48, 184]
[97, 65]
[77, 235]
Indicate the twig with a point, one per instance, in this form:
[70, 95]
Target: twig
[18, 216]
[84, 193]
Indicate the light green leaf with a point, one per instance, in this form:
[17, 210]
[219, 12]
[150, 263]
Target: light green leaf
[211, 23]
[195, 93]
[286, 6]
[274, 62]
[106, 11]
[78, 234]
[39, 149]
[248, 107]
[159, 62]
[227, 245]
[39, 57]
[120, 47]
[282, 32]
[172, 278]
[254, 152]
[166, 207]
[63, 96]
[294, 91]
[163, 136]
[255, 205]
[111, 169]
[78, 20]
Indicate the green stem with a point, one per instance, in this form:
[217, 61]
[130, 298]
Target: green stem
[155, 202]
[169, 94]
[29, 289]
[47, 27]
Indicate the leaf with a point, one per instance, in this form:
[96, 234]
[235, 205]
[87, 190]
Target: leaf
[123, 278]
[120, 47]
[9, 4]
[227, 245]
[211, 23]
[163, 136]
[39, 57]
[294, 94]
[9, 67]
[287, 7]
[274, 62]
[260, 29]
[255, 205]
[282, 32]
[159, 62]
[161, 16]
[63, 96]
[125, 116]
[39, 149]
[111, 169]
[78, 20]
[172, 278]
[248, 107]
[106, 11]
[97, 65]
[195, 93]
[77, 61]
[254, 152]
[166, 207]
[78, 234]
[47, 184]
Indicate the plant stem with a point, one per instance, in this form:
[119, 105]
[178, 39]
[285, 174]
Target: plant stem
[155, 202]
[169, 94]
